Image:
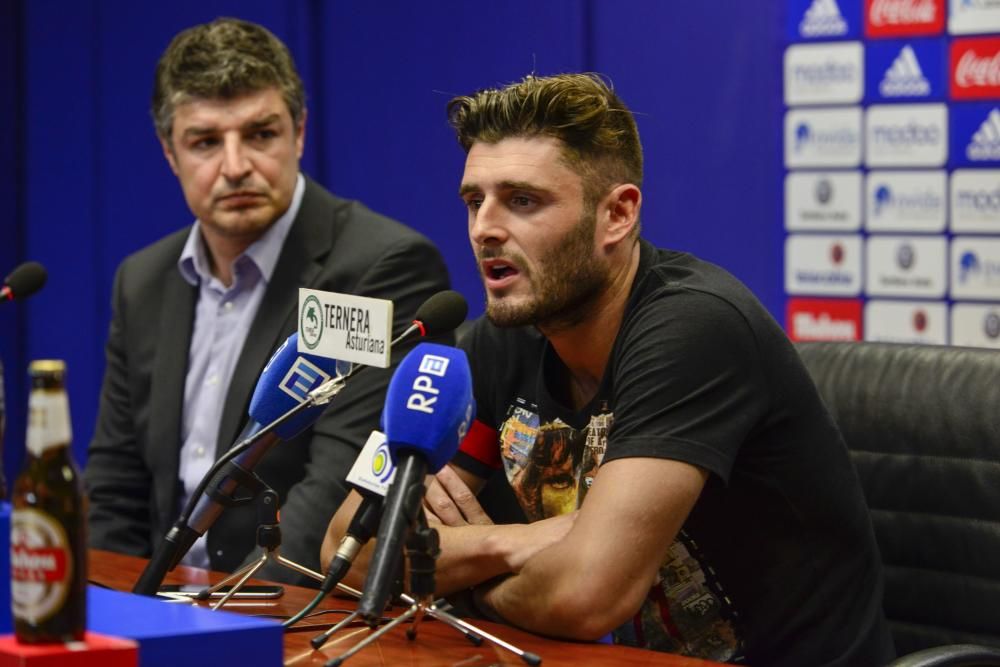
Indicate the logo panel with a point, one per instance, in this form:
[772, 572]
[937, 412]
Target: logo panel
[906, 201]
[923, 322]
[896, 18]
[823, 319]
[824, 73]
[823, 201]
[975, 68]
[975, 134]
[823, 137]
[906, 266]
[966, 17]
[823, 19]
[975, 201]
[905, 70]
[823, 264]
[906, 135]
[975, 325]
[975, 268]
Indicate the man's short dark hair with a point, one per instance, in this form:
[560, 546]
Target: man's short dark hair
[599, 134]
[223, 59]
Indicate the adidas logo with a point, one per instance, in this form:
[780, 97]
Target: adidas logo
[904, 78]
[985, 144]
[823, 19]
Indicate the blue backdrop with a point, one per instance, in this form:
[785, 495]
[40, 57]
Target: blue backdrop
[84, 183]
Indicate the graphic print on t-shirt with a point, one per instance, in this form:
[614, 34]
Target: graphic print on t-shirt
[551, 466]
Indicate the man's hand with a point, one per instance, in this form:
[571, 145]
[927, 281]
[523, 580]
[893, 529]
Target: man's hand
[452, 502]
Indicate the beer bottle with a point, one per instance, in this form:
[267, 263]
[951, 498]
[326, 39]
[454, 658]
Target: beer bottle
[48, 524]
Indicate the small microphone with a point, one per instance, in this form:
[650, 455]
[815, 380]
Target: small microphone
[23, 281]
[428, 409]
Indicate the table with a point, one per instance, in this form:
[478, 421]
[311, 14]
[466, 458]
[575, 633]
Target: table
[436, 644]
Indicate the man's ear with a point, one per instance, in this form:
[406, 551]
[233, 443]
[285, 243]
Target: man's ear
[300, 134]
[621, 207]
[168, 152]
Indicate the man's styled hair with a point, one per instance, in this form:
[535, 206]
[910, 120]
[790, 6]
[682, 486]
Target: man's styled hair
[223, 59]
[600, 137]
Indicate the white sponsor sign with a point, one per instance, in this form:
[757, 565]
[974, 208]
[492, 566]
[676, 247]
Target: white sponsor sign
[975, 201]
[906, 266]
[823, 264]
[966, 17]
[975, 325]
[906, 201]
[823, 137]
[906, 322]
[373, 469]
[831, 73]
[975, 268]
[345, 327]
[823, 201]
[906, 135]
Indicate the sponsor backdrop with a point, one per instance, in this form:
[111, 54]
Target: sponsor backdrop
[892, 170]
[85, 183]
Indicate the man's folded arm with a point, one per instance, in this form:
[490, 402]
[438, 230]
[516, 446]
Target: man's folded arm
[596, 578]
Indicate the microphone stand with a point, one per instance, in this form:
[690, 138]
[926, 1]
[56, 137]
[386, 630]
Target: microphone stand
[423, 548]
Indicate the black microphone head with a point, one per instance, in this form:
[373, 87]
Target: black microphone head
[26, 279]
[442, 312]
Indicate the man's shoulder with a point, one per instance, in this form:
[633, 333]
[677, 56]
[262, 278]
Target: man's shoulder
[353, 221]
[159, 254]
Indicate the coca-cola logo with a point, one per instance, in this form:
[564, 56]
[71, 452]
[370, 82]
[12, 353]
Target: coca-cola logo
[901, 12]
[904, 17]
[975, 66]
[975, 71]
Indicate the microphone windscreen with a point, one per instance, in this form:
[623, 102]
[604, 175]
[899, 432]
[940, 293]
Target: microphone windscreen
[26, 279]
[442, 312]
[285, 382]
[429, 404]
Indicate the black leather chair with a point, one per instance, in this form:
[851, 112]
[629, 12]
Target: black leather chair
[923, 427]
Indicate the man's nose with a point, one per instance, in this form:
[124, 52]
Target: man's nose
[236, 165]
[486, 225]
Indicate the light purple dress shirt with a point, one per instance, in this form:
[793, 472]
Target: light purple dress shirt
[222, 319]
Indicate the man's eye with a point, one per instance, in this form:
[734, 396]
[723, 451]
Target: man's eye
[521, 201]
[265, 134]
[202, 144]
[560, 482]
[474, 203]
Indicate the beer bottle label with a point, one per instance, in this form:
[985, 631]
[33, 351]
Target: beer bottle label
[41, 565]
[48, 421]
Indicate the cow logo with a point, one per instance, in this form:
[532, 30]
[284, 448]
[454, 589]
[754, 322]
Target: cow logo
[311, 322]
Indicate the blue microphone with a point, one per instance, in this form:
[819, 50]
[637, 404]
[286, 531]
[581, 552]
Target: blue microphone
[428, 409]
[285, 383]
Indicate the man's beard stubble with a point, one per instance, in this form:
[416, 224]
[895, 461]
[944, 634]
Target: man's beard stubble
[568, 278]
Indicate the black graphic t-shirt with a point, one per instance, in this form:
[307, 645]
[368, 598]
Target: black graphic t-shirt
[777, 563]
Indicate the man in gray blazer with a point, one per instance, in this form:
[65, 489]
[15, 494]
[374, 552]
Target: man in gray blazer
[197, 314]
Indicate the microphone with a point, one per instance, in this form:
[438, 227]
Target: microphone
[279, 391]
[284, 384]
[428, 410]
[23, 281]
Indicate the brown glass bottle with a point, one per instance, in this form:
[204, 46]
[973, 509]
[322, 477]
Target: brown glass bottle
[48, 541]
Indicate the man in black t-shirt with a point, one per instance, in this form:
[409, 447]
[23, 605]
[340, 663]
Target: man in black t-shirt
[684, 487]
